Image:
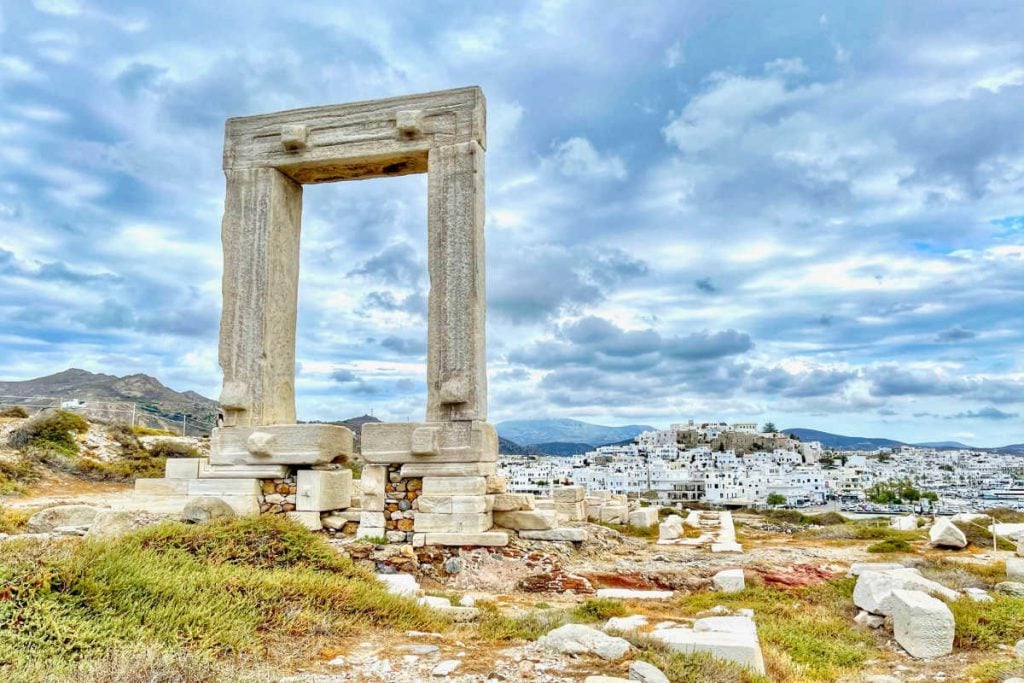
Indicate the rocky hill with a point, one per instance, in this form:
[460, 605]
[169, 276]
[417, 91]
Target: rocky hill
[532, 432]
[156, 405]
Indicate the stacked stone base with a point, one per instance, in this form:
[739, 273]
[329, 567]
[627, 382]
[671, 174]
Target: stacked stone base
[424, 484]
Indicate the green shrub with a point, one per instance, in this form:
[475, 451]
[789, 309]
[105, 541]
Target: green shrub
[692, 668]
[165, 448]
[985, 625]
[495, 626]
[598, 609]
[827, 519]
[15, 472]
[13, 521]
[141, 430]
[890, 545]
[13, 411]
[50, 432]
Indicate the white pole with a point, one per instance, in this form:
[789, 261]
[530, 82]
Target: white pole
[133, 415]
[184, 421]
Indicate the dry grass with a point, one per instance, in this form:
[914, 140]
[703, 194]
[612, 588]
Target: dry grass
[258, 588]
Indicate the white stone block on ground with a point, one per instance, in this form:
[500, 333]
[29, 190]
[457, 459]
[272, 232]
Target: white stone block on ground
[644, 518]
[729, 581]
[310, 520]
[944, 534]
[568, 494]
[434, 601]
[161, 487]
[922, 625]
[577, 639]
[182, 468]
[671, 528]
[874, 588]
[400, 584]
[740, 648]
[633, 594]
[906, 523]
[527, 519]
[731, 547]
[726, 624]
[488, 538]
[630, 623]
[471, 522]
[1015, 569]
[692, 519]
[454, 486]
[445, 667]
[322, 490]
[573, 534]
[614, 514]
[224, 487]
[1010, 530]
[978, 595]
[1018, 649]
[857, 568]
[646, 672]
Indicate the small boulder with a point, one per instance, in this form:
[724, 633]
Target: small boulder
[978, 595]
[908, 523]
[1015, 569]
[945, 534]
[869, 620]
[111, 524]
[671, 528]
[1018, 649]
[48, 520]
[729, 581]
[204, 509]
[1013, 588]
[621, 624]
[646, 673]
[575, 639]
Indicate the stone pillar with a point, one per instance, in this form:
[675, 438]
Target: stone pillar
[456, 368]
[260, 233]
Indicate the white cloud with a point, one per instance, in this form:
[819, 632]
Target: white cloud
[576, 157]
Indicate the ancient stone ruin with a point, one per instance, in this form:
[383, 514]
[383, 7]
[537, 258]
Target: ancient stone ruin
[426, 483]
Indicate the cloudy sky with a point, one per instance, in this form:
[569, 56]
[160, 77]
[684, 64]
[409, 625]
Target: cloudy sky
[810, 213]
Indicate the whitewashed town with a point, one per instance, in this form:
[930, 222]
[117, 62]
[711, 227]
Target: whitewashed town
[740, 464]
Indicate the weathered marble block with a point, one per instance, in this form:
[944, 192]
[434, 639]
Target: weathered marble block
[456, 442]
[462, 522]
[182, 468]
[321, 490]
[283, 444]
[454, 486]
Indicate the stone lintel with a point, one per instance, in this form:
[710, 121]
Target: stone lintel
[279, 444]
[385, 137]
[471, 522]
[208, 471]
[459, 442]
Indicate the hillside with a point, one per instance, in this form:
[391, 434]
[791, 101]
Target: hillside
[156, 404]
[533, 432]
[842, 442]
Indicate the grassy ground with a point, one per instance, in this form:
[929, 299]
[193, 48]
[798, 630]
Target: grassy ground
[216, 595]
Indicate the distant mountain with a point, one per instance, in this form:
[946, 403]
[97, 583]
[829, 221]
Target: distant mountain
[533, 432]
[156, 404]
[1012, 449]
[841, 442]
[508, 447]
[563, 448]
[943, 444]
